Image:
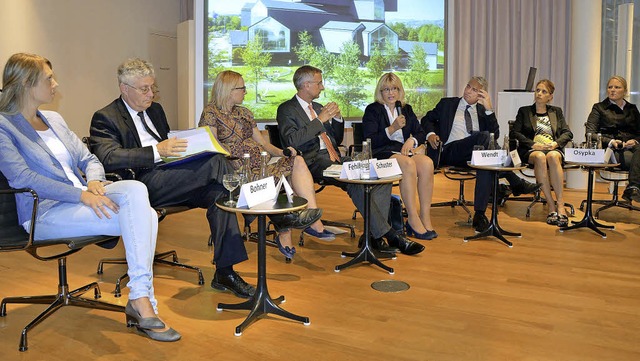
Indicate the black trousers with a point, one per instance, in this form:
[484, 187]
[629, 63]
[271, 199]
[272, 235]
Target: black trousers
[458, 153]
[630, 160]
[380, 194]
[199, 184]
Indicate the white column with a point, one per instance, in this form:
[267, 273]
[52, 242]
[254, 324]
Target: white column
[584, 72]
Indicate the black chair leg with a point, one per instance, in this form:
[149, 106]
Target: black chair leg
[64, 297]
[158, 259]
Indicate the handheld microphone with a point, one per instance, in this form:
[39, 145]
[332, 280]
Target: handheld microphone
[398, 107]
[286, 152]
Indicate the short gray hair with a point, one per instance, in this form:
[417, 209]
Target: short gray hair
[134, 68]
[482, 81]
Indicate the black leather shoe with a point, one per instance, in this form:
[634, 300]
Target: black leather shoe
[297, 220]
[525, 188]
[480, 222]
[378, 244]
[631, 193]
[405, 245]
[504, 191]
[234, 283]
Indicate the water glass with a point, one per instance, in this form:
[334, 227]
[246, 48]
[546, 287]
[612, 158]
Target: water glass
[230, 182]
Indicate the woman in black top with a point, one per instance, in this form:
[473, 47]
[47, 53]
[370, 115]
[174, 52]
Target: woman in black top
[395, 133]
[542, 133]
[619, 123]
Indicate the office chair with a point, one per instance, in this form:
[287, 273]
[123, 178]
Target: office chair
[13, 237]
[159, 258]
[459, 174]
[616, 176]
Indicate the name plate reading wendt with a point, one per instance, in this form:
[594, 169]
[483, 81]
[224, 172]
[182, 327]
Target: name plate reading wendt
[488, 157]
[581, 155]
[257, 192]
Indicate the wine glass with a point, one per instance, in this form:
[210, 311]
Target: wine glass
[230, 182]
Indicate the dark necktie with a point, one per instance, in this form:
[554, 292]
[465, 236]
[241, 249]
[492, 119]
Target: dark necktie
[467, 120]
[148, 128]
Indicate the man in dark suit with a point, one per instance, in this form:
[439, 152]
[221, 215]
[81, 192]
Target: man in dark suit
[462, 123]
[315, 132]
[132, 132]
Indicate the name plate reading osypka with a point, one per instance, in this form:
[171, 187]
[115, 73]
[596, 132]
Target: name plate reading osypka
[488, 157]
[257, 192]
[386, 168]
[582, 155]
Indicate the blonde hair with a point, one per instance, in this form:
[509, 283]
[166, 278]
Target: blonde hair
[21, 72]
[222, 87]
[621, 80]
[389, 80]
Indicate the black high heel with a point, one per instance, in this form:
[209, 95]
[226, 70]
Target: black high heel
[428, 235]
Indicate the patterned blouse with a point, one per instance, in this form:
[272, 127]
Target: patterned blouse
[235, 131]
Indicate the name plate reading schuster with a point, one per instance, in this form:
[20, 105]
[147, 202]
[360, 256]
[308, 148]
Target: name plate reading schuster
[257, 192]
[488, 157]
[386, 168]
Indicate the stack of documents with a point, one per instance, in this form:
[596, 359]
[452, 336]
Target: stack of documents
[333, 171]
[200, 142]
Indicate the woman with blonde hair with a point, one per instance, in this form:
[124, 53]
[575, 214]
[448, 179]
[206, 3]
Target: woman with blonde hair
[619, 123]
[40, 152]
[396, 133]
[235, 128]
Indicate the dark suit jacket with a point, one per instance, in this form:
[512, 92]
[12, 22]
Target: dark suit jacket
[440, 121]
[613, 122]
[298, 132]
[524, 128]
[115, 141]
[376, 119]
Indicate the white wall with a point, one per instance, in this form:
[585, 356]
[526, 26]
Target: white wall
[86, 40]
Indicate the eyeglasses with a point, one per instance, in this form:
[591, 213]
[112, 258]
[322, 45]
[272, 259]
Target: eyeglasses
[389, 90]
[243, 88]
[145, 89]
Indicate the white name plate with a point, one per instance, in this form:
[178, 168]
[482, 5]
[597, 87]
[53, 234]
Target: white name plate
[385, 168]
[488, 157]
[257, 192]
[580, 155]
[353, 169]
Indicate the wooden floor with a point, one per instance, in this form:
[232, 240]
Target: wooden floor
[553, 296]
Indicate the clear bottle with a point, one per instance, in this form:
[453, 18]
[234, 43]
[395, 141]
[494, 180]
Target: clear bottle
[505, 145]
[263, 165]
[599, 141]
[364, 161]
[506, 160]
[245, 171]
[369, 148]
[492, 142]
[588, 142]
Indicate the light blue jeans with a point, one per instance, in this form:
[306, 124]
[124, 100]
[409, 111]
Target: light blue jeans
[136, 222]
